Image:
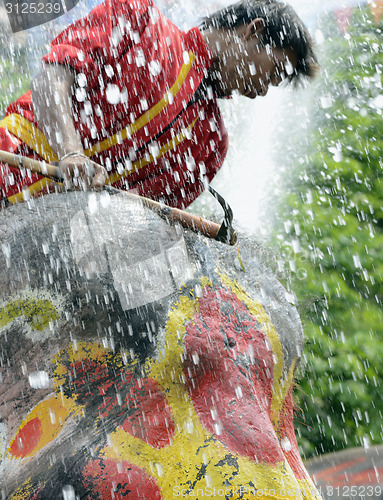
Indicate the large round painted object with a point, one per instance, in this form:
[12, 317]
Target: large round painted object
[139, 360]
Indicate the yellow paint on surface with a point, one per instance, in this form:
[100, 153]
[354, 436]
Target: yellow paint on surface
[84, 350]
[38, 313]
[24, 491]
[52, 414]
[196, 459]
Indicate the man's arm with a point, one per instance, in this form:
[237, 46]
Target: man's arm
[52, 104]
[52, 91]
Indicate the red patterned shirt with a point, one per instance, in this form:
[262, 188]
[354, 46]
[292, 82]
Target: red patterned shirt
[134, 106]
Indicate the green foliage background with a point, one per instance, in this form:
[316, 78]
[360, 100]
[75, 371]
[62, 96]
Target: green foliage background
[14, 79]
[331, 229]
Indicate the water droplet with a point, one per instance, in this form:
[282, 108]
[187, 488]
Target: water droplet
[80, 94]
[155, 68]
[238, 392]
[160, 469]
[68, 492]
[39, 380]
[140, 58]
[186, 57]
[285, 444]
[195, 358]
[113, 94]
[189, 426]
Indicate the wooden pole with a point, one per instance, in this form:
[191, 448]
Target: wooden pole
[190, 221]
[38, 167]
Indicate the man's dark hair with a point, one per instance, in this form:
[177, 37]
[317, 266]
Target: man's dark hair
[283, 28]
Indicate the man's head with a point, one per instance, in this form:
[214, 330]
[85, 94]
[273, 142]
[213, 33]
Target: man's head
[257, 43]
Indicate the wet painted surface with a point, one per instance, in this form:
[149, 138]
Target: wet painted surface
[190, 392]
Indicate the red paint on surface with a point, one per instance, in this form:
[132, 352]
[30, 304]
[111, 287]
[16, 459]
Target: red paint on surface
[112, 480]
[27, 438]
[96, 385]
[36, 495]
[108, 389]
[287, 433]
[330, 472]
[362, 478]
[229, 373]
[139, 403]
[153, 422]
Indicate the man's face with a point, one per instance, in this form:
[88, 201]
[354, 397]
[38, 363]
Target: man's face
[249, 67]
[269, 67]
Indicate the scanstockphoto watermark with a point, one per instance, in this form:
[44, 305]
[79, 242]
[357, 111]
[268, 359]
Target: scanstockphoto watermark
[26, 14]
[238, 492]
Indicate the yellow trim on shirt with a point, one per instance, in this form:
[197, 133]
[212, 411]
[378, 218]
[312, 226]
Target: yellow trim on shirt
[173, 143]
[34, 188]
[146, 117]
[30, 135]
[36, 140]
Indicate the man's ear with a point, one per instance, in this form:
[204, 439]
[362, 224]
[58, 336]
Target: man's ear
[256, 27]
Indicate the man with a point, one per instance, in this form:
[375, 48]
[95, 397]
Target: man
[127, 89]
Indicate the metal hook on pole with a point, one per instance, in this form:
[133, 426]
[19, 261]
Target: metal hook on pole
[226, 233]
